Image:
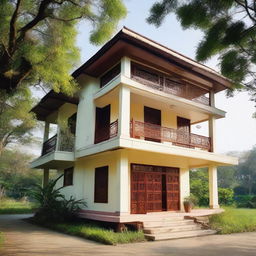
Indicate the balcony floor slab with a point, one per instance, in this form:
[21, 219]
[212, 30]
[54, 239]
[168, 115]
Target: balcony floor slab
[54, 160]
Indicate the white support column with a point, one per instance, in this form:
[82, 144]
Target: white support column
[45, 177]
[213, 187]
[184, 186]
[124, 112]
[126, 67]
[123, 181]
[212, 132]
[46, 131]
[212, 99]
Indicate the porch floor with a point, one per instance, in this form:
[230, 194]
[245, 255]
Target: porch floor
[167, 214]
[154, 216]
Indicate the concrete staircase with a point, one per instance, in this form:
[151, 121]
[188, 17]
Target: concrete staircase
[173, 228]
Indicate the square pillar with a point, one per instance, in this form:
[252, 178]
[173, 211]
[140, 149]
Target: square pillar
[184, 186]
[213, 187]
[46, 131]
[123, 181]
[212, 98]
[126, 67]
[45, 177]
[124, 112]
[212, 132]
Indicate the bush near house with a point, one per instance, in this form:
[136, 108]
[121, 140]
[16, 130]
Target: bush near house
[234, 220]
[11, 206]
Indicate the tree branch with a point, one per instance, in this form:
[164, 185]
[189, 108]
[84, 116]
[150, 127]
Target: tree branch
[13, 30]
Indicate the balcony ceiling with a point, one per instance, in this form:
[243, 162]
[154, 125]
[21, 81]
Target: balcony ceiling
[50, 103]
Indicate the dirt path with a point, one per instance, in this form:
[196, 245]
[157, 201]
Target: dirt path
[24, 239]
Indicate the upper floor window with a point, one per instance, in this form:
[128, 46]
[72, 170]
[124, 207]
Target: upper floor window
[68, 177]
[112, 73]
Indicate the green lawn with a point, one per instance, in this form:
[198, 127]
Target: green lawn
[234, 220]
[94, 231]
[11, 206]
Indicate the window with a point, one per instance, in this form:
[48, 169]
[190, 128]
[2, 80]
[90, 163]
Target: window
[101, 185]
[68, 177]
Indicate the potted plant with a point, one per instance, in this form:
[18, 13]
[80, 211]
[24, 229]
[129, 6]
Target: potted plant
[189, 202]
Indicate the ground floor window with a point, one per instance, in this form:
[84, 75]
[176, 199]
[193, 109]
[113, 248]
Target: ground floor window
[101, 185]
[68, 177]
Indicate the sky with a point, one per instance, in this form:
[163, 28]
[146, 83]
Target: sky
[237, 131]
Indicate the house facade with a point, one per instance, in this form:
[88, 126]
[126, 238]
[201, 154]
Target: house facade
[127, 146]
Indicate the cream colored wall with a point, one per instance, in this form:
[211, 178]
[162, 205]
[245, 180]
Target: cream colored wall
[86, 112]
[114, 110]
[168, 118]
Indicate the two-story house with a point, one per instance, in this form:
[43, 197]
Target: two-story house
[129, 148]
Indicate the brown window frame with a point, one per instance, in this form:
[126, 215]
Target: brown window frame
[101, 184]
[67, 181]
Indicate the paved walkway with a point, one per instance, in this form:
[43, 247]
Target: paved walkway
[24, 239]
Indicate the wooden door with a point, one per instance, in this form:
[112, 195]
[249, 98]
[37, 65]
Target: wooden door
[152, 132]
[154, 188]
[183, 131]
[102, 124]
[173, 189]
[138, 190]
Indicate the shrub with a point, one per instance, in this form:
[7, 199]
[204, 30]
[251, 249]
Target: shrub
[252, 203]
[226, 196]
[52, 204]
[242, 201]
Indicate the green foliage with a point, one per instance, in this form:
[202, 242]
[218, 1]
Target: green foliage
[229, 30]
[52, 204]
[16, 122]
[252, 203]
[95, 232]
[246, 172]
[241, 201]
[16, 179]
[226, 196]
[234, 221]
[38, 39]
[11, 206]
[227, 176]
[199, 186]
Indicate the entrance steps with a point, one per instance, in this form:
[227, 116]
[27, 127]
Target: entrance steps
[167, 228]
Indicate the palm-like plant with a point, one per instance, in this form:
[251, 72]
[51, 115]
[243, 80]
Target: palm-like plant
[52, 204]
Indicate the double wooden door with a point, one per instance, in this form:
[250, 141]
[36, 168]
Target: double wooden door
[154, 189]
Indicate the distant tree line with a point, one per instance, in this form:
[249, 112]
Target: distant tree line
[237, 184]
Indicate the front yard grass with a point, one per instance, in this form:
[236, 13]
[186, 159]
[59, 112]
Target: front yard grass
[234, 220]
[94, 231]
[11, 206]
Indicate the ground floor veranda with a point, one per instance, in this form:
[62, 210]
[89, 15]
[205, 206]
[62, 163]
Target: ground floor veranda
[126, 199]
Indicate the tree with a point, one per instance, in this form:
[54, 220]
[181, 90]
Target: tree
[246, 173]
[16, 179]
[229, 30]
[226, 176]
[37, 39]
[16, 122]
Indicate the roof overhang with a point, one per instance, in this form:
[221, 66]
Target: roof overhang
[131, 44]
[50, 103]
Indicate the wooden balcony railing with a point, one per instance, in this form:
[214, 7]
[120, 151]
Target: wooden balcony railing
[168, 84]
[66, 143]
[160, 134]
[106, 133]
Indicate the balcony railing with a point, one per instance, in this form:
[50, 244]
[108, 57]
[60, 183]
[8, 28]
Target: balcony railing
[66, 143]
[168, 84]
[106, 133]
[160, 134]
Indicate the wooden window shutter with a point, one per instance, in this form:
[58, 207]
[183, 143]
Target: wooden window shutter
[101, 185]
[68, 177]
